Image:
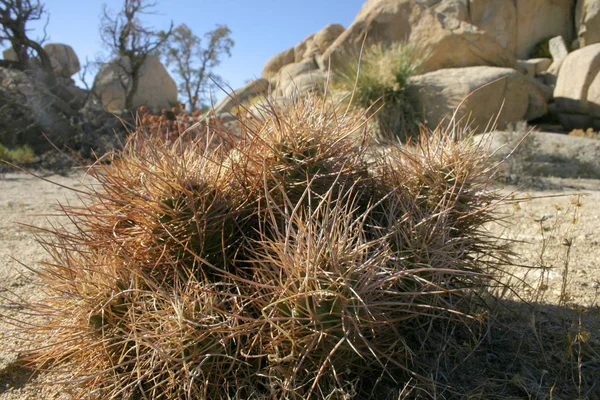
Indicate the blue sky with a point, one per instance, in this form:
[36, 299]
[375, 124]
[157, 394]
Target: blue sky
[260, 28]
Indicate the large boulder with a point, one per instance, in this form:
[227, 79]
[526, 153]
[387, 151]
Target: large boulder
[310, 48]
[275, 63]
[156, 89]
[449, 42]
[539, 20]
[300, 85]
[594, 100]
[30, 113]
[576, 75]
[577, 92]
[517, 25]
[486, 92]
[65, 62]
[256, 87]
[498, 18]
[316, 44]
[305, 49]
[63, 58]
[587, 22]
[288, 73]
[326, 36]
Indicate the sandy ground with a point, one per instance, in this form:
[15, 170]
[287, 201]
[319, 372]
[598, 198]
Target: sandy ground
[543, 224]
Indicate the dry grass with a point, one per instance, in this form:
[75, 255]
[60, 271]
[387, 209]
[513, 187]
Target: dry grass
[377, 80]
[294, 262]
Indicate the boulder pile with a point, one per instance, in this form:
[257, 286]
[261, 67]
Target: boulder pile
[531, 60]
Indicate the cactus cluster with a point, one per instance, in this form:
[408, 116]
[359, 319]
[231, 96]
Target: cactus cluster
[295, 262]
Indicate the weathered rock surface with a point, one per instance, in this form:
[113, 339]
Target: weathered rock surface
[533, 67]
[312, 81]
[28, 111]
[65, 62]
[577, 92]
[538, 20]
[156, 88]
[491, 91]
[576, 75]
[448, 41]
[498, 18]
[288, 73]
[517, 25]
[587, 21]
[558, 48]
[326, 36]
[593, 98]
[275, 63]
[256, 87]
[316, 44]
[63, 58]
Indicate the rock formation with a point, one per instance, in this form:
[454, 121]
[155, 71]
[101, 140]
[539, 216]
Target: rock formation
[156, 88]
[577, 92]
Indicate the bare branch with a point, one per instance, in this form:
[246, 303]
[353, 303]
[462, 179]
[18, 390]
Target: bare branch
[125, 36]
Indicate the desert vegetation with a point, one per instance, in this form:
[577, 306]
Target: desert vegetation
[328, 245]
[296, 261]
[377, 79]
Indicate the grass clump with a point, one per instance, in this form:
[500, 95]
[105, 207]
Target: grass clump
[292, 263]
[21, 154]
[378, 81]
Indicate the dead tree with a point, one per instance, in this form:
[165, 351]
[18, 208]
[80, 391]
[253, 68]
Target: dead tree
[14, 17]
[131, 42]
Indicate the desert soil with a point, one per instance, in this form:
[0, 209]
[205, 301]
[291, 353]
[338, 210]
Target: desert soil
[542, 223]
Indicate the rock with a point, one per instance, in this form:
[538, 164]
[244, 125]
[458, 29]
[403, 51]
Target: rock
[316, 44]
[326, 36]
[30, 113]
[275, 63]
[257, 87]
[539, 20]
[9, 54]
[517, 25]
[498, 18]
[305, 49]
[491, 90]
[63, 58]
[79, 95]
[311, 47]
[541, 64]
[290, 71]
[457, 9]
[537, 105]
[156, 88]
[558, 48]
[593, 97]
[533, 66]
[577, 73]
[587, 22]
[545, 90]
[313, 81]
[452, 43]
[548, 78]
[575, 45]
[449, 42]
